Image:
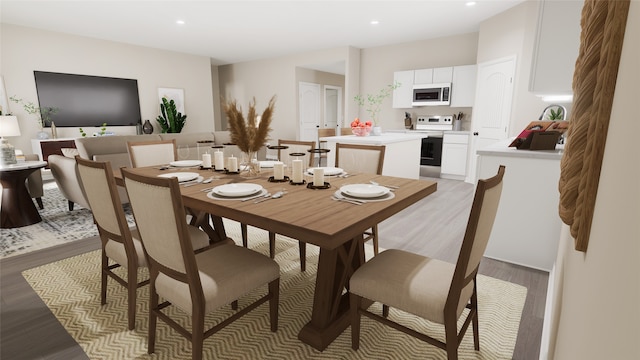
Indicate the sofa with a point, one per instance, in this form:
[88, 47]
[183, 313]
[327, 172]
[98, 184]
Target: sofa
[114, 149]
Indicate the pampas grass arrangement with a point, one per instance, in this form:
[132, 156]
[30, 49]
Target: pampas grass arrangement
[248, 135]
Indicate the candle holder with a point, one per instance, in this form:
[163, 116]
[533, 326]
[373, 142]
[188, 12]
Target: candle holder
[320, 152]
[297, 183]
[216, 161]
[285, 179]
[325, 186]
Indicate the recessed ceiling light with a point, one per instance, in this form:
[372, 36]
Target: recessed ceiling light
[180, 22]
[470, 3]
[374, 22]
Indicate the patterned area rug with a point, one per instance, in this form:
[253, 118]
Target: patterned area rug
[71, 290]
[58, 226]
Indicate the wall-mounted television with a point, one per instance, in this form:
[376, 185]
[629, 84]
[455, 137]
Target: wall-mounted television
[86, 101]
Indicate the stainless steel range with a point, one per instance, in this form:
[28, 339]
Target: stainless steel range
[433, 126]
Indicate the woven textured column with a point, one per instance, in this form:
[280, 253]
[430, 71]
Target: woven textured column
[594, 80]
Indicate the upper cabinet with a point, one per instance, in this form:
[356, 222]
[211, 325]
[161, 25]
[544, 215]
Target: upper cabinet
[433, 76]
[556, 47]
[404, 93]
[463, 86]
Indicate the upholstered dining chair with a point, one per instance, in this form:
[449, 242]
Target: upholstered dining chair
[324, 132]
[120, 244]
[150, 153]
[368, 159]
[294, 146]
[195, 283]
[435, 290]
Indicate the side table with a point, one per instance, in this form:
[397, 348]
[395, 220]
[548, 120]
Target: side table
[17, 208]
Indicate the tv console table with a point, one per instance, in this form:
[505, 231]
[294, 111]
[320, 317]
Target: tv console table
[47, 147]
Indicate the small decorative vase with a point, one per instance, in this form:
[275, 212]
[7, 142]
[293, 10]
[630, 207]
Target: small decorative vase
[377, 131]
[42, 135]
[250, 166]
[147, 128]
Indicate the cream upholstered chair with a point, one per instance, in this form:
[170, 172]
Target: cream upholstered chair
[367, 159]
[65, 172]
[120, 243]
[283, 154]
[150, 153]
[196, 284]
[435, 290]
[324, 132]
[34, 181]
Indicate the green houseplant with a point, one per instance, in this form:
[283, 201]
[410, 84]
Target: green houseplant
[555, 115]
[170, 120]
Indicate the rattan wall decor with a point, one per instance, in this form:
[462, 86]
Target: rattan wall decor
[594, 80]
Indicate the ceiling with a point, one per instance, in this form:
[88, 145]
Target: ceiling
[240, 30]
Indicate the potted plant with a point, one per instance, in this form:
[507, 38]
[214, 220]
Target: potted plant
[170, 120]
[372, 104]
[43, 115]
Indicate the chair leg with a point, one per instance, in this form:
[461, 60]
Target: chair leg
[303, 255]
[474, 320]
[274, 301]
[234, 305]
[374, 233]
[197, 335]
[272, 245]
[451, 336]
[385, 310]
[355, 301]
[153, 317]
[103, 278]
[70, 205]
[243, 230]
[40, 204]
[132, 282]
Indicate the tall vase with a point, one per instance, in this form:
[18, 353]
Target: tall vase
[250, 166]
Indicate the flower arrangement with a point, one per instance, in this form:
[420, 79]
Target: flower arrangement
[43, 114]
[373, 102]
[249, 135]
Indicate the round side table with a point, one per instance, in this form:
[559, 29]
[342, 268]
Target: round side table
[17, 207]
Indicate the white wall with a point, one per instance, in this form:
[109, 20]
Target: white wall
[597, 315]
[26, 49]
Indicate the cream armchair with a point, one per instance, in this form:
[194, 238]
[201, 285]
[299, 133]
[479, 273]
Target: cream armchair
[64, 171]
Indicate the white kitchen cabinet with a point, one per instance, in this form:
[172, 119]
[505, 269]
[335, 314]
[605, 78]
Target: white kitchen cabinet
[556, 47]
[463, 86]
[423, 76]
[402, 95]
[442, 75]
[454, 155]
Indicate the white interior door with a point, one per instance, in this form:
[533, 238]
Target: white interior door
[492, 109]
[309, 100]
[332, 107]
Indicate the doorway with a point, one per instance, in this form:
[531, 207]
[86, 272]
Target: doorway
[332, 107]
[309, 100]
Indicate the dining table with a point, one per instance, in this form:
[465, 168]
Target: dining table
[311, 215]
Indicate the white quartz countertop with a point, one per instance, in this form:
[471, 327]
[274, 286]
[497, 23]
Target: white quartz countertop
[502, 148]
[385, 138]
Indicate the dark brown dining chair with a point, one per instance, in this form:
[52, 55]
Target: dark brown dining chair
[120, 243]
[150, 153]
[294, 146]
[195, 283]
[367, 159]
[432, 289]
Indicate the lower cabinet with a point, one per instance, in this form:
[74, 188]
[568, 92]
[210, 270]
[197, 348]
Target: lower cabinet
[454, 156]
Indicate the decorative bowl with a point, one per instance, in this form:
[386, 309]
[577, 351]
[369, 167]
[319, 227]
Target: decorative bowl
[361, 131]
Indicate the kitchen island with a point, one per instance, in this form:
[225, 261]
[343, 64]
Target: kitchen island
[527, 226]
[401, 155]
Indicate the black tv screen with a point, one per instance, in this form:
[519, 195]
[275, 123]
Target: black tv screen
[86, 101]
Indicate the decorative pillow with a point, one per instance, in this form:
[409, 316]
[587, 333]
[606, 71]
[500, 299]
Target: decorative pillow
[70, 152]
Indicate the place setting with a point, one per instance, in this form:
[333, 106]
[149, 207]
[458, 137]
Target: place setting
[359, 194]
[237, 191]
[184, 178]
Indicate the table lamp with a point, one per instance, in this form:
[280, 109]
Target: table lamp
[8, 127]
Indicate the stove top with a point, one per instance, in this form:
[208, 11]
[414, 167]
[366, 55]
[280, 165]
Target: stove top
[434, 122]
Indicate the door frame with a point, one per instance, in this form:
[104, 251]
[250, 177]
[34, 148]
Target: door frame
[339, 107]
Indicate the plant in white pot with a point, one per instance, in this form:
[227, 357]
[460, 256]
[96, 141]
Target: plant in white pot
[372, 103]
[43, 115]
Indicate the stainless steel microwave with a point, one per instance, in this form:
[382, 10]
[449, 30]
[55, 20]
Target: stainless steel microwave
[431, 94]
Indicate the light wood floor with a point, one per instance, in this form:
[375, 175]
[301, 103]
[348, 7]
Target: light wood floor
[432, 227]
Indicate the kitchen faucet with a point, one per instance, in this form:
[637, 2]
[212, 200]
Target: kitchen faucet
[564, 111]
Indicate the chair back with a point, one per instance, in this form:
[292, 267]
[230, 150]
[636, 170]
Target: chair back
[150, 153]
[302, 147]
[161, 221]
[346, 131]
[481, 219]
[100, 189]
[353, 158]
[325, 132]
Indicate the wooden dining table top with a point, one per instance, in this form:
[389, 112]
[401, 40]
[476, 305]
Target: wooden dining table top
[309, 215]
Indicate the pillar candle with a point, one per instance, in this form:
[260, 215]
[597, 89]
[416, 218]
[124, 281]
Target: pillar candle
[218, 159]
[296, 171]
[278, 171]
[206, 160]
[318, 177]
[233, 164]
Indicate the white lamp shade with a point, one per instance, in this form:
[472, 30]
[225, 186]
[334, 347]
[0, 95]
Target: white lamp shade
[9, 126]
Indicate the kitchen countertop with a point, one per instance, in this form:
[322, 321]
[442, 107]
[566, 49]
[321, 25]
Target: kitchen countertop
[502, 148]
[385, 138]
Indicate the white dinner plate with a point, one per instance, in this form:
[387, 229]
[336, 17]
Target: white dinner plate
[364, 191]
[328, 171]
[186, 163]
[182, 176]
[267, 163]
[236, 190]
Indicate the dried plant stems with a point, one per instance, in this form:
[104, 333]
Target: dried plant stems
[249, 135]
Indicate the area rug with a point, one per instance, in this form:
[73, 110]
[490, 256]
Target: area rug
[58, 226]
[71, 290]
